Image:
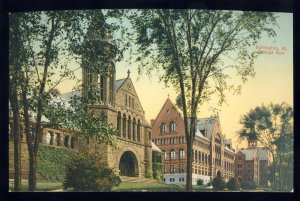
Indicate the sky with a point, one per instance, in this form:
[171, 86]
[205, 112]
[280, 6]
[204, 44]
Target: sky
[273, 83]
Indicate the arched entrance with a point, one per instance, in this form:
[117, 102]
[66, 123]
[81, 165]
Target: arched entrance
[128, 165]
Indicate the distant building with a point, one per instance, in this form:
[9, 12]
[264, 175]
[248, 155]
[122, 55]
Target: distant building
[251, 164]
[211, 152]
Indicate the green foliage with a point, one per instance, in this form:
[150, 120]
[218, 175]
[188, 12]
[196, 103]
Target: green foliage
[74, 116]
[52, 162]
[157, 169]
[149, 174]
[233, 184]
[85, 173]
[200, 182]
[248, 185]
[190, 47]
[157, 166]
[272, 126]
[218, 183]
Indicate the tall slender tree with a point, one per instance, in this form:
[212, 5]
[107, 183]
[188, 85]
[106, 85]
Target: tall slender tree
[51, 39]
[192, 48]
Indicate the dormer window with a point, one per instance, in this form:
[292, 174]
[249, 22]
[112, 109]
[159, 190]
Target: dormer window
[163, 128]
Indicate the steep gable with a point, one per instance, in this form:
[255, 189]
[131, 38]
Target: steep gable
[126, 87]
[168, 113]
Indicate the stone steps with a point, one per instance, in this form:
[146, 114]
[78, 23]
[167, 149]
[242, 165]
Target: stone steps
[138, 180]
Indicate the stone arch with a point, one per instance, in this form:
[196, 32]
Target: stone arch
[129, 163]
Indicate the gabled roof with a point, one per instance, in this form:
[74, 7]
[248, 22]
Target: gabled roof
[206, 123]
[161, 110]
[227, 149]
[68, 95]
[249, 153]
[119, 83]
[263, 153]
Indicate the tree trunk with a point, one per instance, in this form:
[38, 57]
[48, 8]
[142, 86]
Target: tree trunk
[32, 173]
[32, 165]
[189, 166]
[13, 97]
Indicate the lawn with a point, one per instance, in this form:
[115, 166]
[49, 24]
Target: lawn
[132, 187]
[40, 186]
[144, 187]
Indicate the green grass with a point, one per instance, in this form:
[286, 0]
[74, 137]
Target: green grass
[40, 186]
[140, 187]
[133, 187]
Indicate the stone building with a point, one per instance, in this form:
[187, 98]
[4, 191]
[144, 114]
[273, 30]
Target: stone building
[122, 108]
[119, 105]
[211, 152]
[251, 164]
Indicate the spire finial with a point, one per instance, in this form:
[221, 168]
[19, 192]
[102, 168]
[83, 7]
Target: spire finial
[128, 73]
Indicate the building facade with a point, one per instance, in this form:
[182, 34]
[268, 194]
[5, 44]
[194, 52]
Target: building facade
[211, 152]
[251, 164]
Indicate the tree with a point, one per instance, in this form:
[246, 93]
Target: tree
[272, 126]
[192, 48]
[16, 48]
[218, 183]
[51, 39]
[233, 184]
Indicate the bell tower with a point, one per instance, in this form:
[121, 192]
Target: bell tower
[98, 68]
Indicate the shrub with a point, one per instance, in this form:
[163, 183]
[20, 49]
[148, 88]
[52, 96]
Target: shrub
[200, 182]
[233, 184]
[218, 183]
[209, 184]
[248, 185]
[84, 173]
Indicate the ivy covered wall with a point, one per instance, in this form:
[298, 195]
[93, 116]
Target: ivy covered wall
[157, 166]
[52, 162]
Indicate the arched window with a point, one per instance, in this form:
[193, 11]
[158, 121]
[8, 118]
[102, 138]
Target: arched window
[134, 130]
[181, 154]
[163, 128]
[139, 132]
[129, 128]
[124, 126]
[165, 154]
[101, 86]
[172, 126]
[119, 124]
[172, 154]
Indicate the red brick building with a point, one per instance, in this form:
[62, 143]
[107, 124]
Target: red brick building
[211, 152]
[251, 164]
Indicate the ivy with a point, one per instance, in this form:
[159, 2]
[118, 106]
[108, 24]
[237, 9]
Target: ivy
[51, 163]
